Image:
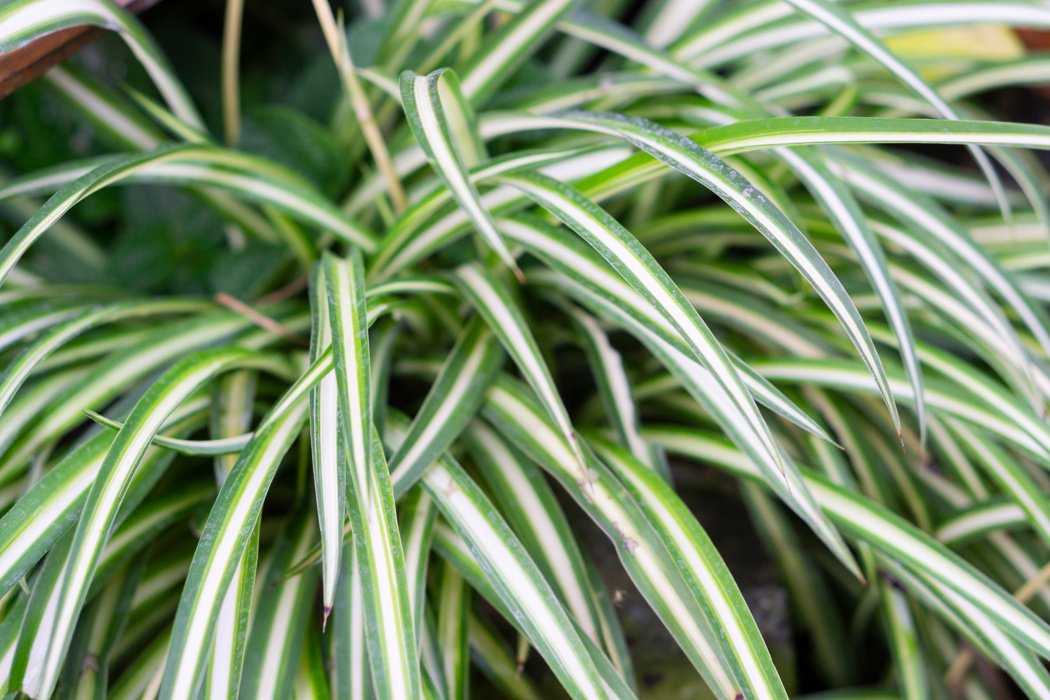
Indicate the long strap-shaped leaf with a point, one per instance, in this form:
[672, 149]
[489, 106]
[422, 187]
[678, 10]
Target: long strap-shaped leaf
[904, 642]
[418, 215]
[513, 575]
[33, 637]
[23, 365]
[176, 164]
[614, 388]
[618, 304]
[219, 554]
[231, 630]
[794, 492]
[280, 623]
[841, 22]
[925, 216]
[842, 208]
[418, 515]
[492, 300]
[24, 20]
[523, 494]
[494, 659]
[347, 316]
[702, 566]
[531, 508]
[450, 404]
[45, 508]
[330, 477]
[595, 284]
[456, 551]
[515, 414]
[452, 600]
[494, 64]
[884, 531]
[754, 134]
[426, 112]
[349, 675]
[1024, 666]
[636, 265]
[1010, 475]
[112, 482]
[393, 652]
[710, 171]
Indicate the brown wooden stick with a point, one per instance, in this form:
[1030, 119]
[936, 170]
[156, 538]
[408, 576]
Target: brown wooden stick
[260, 319]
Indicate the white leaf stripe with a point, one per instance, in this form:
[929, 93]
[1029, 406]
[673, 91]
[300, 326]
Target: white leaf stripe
[495, 63]
[389, 629]
[418, 515]
[700, 563]
[427, 117]
[980, 519]
[515, 578]
[452, 605]
[105, 112]
[492, 300]
[346, 300]
[330, 477]
[450, 403]
[236, 510]
[638, 267]
[515, 415]
[753, 134]
[884, 531]
[111, 484]
[231, 627]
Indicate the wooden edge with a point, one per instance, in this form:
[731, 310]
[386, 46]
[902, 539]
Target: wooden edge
[29, 62]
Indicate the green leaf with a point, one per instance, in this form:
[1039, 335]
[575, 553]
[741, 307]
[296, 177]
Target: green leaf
[221, 552]
[444, 140]
[330, 471]
[393, 652]
[514, 577]
[450, 404]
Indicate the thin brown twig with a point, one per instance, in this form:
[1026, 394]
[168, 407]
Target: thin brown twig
[335, 36]
[260, 319]
[231, 50]
[286, 292]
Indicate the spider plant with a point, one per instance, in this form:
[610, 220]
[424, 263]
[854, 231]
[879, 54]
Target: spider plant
[538, 263]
